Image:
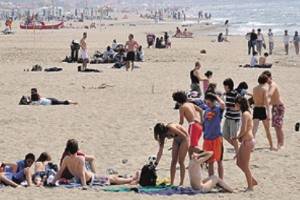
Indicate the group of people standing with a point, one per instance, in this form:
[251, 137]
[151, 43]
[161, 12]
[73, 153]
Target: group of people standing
[203, 110]
[256, 41]
[131, 47]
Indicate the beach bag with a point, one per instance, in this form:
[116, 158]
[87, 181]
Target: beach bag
[25, 100]
[148, 176]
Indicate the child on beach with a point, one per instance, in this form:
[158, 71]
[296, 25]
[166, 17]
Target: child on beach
[213, 140]
[247, 141]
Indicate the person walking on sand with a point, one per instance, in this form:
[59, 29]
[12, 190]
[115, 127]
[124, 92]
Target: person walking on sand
[131, 47]
[261, 111]
[247, 141]
[84, 52]
[179, 147]
[286, 41]
[271, 41]
[296, 41]
[278, 109]
[252, 41]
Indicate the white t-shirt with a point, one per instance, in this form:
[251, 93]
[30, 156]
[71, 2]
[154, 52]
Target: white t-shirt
[114, 45]
[260, 37]
[253, 61]
[286, 39]
[270, 34]
[43, 102]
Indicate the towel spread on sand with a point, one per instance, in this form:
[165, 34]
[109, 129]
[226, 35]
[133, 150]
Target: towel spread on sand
[158, 190]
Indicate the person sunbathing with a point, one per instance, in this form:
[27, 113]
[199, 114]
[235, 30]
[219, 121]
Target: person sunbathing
[89, 161]
[196, 181]
[13, 174]
[40, 168]
[36, 99]
[76, 165]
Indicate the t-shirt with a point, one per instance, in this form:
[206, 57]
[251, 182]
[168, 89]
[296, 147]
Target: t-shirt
[270, 34]
[286, 39]
[253, 61]
[260, 37]
[231, 113]
[19, 176]
[212, 123]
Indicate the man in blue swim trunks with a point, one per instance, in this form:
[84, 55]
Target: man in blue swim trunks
[16, 173]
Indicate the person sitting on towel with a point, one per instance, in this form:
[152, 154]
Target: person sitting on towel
[262, 62]
[108, 54]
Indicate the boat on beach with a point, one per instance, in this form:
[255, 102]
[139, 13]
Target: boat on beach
[41, 26]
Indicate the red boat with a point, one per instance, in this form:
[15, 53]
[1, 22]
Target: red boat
[41, 26]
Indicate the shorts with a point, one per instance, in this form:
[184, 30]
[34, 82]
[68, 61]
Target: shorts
[231, 128]
[84, 55]
[99, 180]
[277, 115]
[216, 146]
[130, 56]
[19, 177]
[196, 87]
[195, 132]
[260, 113]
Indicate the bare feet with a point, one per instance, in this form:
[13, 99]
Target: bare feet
[249, 190]
[273, 149]
[254, 182]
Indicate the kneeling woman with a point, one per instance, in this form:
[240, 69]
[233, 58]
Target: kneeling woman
[179, 148]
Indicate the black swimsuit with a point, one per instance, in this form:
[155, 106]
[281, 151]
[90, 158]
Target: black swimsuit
[260, 113]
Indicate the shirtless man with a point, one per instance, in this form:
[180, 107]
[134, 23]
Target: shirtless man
[84, 52]
[277, 109]
[193, 114]
[131, 47]
[76, 165]
[261, 111]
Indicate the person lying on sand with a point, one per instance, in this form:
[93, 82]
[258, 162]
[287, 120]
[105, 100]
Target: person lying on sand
[13, 174]
[76, 165]
[36, 99]
[196, 181]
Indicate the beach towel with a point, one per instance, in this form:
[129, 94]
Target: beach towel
[158, 190]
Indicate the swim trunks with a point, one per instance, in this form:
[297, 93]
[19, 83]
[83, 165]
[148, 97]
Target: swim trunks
[99, 180]
[260, 113]
[216, 146]
[195, 132]
[130, 56]
[277, 115]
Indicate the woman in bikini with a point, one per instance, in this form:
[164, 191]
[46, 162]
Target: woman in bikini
[179, 148]
[40, 169]
[247, 141]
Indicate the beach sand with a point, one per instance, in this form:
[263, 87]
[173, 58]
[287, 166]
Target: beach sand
[117, 122]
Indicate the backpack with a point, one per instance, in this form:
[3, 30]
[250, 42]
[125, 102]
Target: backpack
[148, 176]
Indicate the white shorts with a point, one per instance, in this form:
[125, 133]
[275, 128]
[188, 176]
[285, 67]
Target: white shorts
[84, 54]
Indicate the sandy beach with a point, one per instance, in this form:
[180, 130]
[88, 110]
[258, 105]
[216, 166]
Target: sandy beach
[117, 122]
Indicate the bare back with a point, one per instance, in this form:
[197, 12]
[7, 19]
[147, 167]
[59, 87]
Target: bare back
[76, 165]
[189, 112]
[274, 94]
[260, 96]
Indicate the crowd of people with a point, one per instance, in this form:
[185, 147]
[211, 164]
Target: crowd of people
[203, 111]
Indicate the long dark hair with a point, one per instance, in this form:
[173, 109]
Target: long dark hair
[160, 132]
[244, 105]
[44, 157]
